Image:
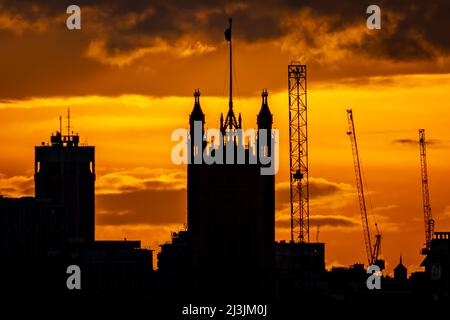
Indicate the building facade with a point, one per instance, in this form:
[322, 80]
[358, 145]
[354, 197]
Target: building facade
[231, 207]
[64, 173]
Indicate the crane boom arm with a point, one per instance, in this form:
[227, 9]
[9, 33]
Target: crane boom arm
[359, 185]
[428, 218]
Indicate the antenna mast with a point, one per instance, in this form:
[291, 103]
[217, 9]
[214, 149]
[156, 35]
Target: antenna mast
[230, 102]
[230, 120]
[68, 122]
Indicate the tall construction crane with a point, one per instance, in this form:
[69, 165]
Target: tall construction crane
[428, 218]
[372, 253]
[298, 151]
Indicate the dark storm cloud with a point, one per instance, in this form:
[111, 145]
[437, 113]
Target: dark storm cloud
[410, 29]
[138, 47]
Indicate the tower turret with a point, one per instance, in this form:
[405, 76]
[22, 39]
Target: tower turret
[197, 113]
[264, 121]
[265, 118]
[197, 130]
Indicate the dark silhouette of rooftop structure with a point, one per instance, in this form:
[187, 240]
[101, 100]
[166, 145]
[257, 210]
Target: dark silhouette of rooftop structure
[437, 265]
[64, 173]
[229, 245]
[30, 227]
[230, 233]
[400, 271]
[56, 228]
[227, 251]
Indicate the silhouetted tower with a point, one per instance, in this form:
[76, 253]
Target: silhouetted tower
[264, 118]
[196, 124]
[231, 207]
[65, 175]
[231, 214]
[298, 150]
[264, 121]
[428, 218]
[197, 145]
[400, 271]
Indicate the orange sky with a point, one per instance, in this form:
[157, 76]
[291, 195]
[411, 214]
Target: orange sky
[127, 98]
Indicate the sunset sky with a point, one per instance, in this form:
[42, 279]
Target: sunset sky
[128, 76]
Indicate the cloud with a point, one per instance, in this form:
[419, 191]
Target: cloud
[138, 196]
[97, 50]
[385, 208]
[384, 223]
[410, 31]
[124, 46]
[19, 22]
[445, 214]
[323, 194]
[146, 207]
[327, 199]
[333, 221]
[16, 186]
[433, 143]
[182, 48]
[138, 179]
[318, 39]
[155, 197]
[141, 196]
[406, 141]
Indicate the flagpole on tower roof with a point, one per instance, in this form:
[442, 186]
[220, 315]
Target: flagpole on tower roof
[230, 120]
[228, 38]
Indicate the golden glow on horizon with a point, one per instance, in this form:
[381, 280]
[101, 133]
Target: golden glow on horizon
[133, 131]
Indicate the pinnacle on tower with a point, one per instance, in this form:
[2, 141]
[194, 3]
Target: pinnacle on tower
[264, 118]
[197, 113]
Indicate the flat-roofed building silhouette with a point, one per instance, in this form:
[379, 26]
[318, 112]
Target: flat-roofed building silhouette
[64, 173]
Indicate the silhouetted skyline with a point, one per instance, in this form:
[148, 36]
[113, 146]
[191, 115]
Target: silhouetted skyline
[127, 96]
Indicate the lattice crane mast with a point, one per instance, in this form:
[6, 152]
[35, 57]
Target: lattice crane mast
[298, 153]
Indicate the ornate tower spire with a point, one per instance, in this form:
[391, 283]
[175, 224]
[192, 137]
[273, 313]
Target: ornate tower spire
[197, 113]
[197, 130]
[264, 118]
